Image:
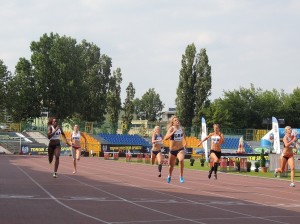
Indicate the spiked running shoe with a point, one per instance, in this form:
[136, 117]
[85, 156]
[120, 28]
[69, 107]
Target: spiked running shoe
[275, 173]
[168, 179]
[181, 179]
[55, 175]
[292, 185]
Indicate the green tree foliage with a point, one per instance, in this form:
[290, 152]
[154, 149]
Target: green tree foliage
[138, 108]
[150, 106]
[240, 106]
[217, 114]
[96, 75]
[270, 103]
[202, 85]
[24, 101]
[71, 78]
[114, 100]
[291, 108]
[128, 108]
[185, 100]
[194, 88]
[57, 71]
[5, 77]
[246, 108]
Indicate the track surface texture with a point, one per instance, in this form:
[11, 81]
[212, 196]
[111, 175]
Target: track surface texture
[106, 191]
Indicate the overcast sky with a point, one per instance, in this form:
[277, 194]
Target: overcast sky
[247, 41]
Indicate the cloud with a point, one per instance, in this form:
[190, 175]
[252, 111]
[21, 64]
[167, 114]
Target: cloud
[246, 41]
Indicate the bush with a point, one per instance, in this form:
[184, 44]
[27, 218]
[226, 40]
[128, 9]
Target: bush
[249, 164]
[237, 164]
[256, 164]
[202, 161]
[192, 160]
[262, 159]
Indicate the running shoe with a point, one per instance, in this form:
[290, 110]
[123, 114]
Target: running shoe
[168, 179]
[275, 173]
[292, 185]
[55, 175]
[159, 175]
[209, 175]
[216, 177]
[181, 179]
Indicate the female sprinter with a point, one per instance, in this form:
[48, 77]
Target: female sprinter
[157, 141]
[217, 139]
[76, 146]
[287, 155]
[54, 147]
[177, 146]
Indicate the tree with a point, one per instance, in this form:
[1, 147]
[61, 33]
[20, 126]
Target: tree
[202, 85]
[114, 100]
[241, 107]
[24, 101]
[291, 108]
[5, 77]
[217, 114]
[246, 108]
[185, 101]
[150, 106]
[96, 76]
[128, 108]
[269, 104]
[57, 71]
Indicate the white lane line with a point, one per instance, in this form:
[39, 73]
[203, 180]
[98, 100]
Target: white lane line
[247, 215]
[59, 202]
[227, 210]
[222, 187]
[134, 203]
[114, 195]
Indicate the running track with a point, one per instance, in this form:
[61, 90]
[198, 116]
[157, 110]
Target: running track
[117, 192]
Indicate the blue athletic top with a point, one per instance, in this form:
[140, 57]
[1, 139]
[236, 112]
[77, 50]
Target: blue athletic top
[158, 137]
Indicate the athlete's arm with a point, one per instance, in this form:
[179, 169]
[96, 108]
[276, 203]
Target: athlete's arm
[207, 137]
[170, 132]
[63, 134]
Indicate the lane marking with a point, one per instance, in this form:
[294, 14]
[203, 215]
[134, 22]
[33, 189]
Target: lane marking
[59, 202]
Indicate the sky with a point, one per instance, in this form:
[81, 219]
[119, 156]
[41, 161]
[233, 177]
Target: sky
[247, 41]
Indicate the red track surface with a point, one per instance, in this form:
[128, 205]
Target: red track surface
[118, 192]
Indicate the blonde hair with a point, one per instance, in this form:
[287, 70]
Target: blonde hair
[216, 125]
[287, 128]
[156, 127]
[170, 124]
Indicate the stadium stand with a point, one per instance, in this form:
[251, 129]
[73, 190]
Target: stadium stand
[37, 137]
[231, 144]
[14, 141]
[92, 144]
[123, 139]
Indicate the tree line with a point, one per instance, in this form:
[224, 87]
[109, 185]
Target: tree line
[70, 79]
[239, 109]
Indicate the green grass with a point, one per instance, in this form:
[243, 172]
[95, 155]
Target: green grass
[197, 166]
[251, 173]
